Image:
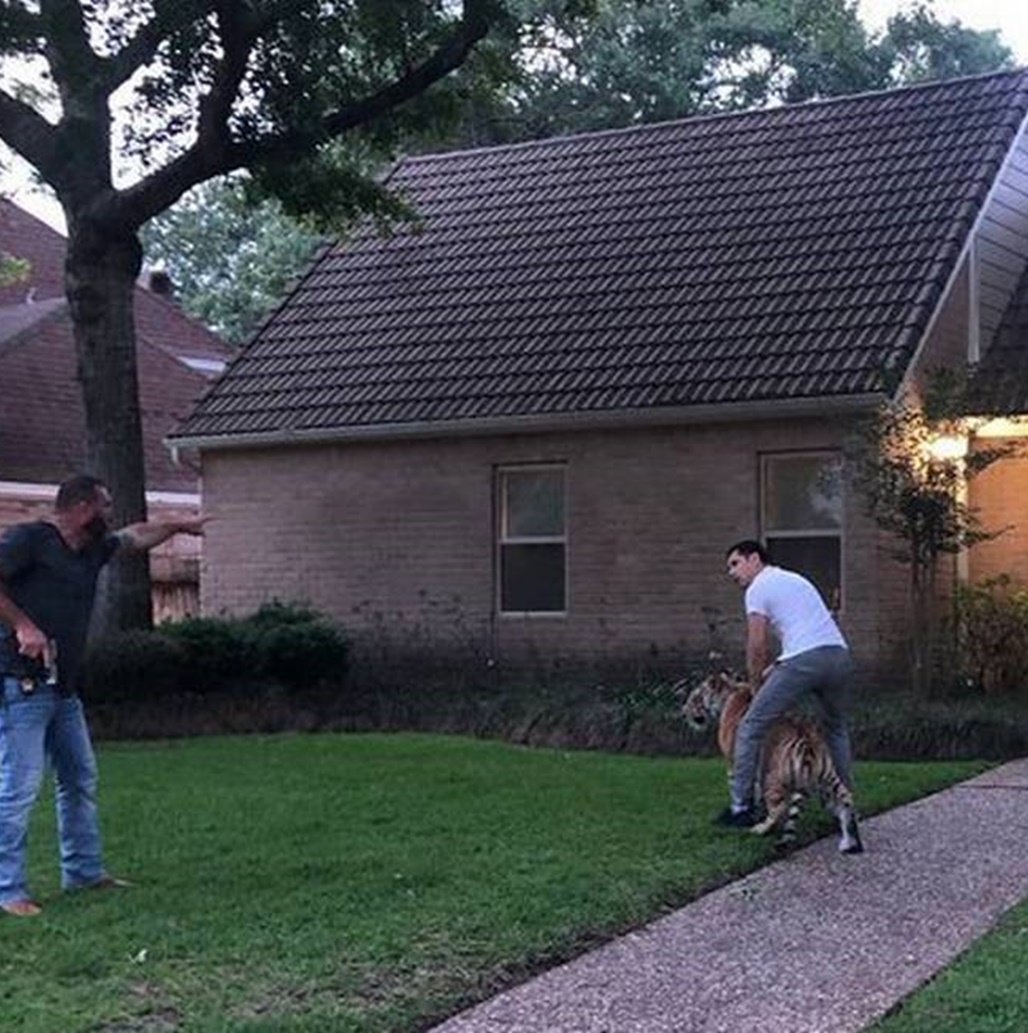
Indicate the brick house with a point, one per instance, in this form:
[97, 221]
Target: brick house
[537, 417]
[42, 425]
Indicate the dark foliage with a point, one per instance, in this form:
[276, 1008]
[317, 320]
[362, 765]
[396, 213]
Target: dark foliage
[993, 636]
[135, 665]
[217, 652]
[300, 655]
[281, 647]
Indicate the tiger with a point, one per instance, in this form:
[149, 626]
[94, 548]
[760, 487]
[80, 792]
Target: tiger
[794, 759]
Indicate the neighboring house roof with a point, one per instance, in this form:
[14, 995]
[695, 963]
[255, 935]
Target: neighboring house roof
[16, 320]
[789, 254]
[42, 423]
[24, 236]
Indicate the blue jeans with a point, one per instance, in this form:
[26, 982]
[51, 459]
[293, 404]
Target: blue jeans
[821, 676]
[33, 729]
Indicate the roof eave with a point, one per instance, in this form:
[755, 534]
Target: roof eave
[962, 258]
[719, 412]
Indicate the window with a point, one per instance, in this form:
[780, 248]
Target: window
[533, 540]
[801, 516]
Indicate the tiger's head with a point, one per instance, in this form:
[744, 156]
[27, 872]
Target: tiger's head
[703, 705]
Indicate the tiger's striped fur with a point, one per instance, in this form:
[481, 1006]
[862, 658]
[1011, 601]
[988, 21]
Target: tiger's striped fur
[794, 759]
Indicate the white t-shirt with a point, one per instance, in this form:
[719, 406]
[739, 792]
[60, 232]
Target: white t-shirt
[795, 609]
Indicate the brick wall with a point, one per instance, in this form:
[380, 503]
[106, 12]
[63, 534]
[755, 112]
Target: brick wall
[1000, 493]
[402, 534]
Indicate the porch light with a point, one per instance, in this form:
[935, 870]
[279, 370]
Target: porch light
[948, 448]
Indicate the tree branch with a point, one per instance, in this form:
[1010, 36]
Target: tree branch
[448, 57]
[25, 130]
[237, 38]
[18, 27]
[71, 58]
[143, 47]
[215, 156]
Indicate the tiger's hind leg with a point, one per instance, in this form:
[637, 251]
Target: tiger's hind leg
[787, 837]
[783, 806]
[849, 838]
[774, 816]
[775, 799]
[838, 800]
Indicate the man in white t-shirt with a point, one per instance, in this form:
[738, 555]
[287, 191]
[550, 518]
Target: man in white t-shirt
[813, 663]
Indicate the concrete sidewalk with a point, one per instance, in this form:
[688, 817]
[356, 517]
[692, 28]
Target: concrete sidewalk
[815, 943]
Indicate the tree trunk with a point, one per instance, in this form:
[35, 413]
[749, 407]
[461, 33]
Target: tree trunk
[931, 629]
[100, 277]
[918, 663]
[925, 634]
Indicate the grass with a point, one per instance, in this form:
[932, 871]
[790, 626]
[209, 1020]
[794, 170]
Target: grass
[294, 884]
[984, 991]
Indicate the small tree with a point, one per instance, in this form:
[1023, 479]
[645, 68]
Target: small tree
[919, 496]
[230, 258]
[12, 270]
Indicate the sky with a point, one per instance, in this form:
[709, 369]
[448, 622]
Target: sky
[1006, 15]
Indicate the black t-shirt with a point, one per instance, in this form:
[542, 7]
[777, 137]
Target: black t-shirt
[54, 585]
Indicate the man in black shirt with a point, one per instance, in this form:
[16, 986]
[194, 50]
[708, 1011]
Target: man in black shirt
[48, 573]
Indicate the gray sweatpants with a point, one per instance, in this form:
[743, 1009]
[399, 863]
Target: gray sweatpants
[821, 675]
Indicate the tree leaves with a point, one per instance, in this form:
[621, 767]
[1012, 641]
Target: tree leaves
[631, 62]
[230, 254]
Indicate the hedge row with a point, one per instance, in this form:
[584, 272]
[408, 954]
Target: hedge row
[289, 646]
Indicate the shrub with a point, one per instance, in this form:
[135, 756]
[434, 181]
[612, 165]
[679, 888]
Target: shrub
[276, 613]
[293, 646]
[130, 665]
[994, 635]
[218, 652]
[298, 649]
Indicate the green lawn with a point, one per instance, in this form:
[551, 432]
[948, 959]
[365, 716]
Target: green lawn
[316, 883]
[985, 991]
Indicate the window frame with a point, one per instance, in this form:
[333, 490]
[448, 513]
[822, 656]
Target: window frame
[766, 534]
[502, 539]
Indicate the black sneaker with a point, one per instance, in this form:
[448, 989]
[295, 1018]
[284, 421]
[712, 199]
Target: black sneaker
[738, 819]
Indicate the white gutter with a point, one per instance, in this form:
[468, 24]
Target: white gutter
[720, 412]
[1003, 427]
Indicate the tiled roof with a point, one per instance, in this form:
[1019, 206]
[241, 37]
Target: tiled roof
[24, 236]
[42, 425]
[789, 253]
[16, 320]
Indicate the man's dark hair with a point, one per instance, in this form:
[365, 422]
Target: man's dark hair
[747, 547]
[80, 488]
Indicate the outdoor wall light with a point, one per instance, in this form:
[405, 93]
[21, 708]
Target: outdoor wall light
[948, 448]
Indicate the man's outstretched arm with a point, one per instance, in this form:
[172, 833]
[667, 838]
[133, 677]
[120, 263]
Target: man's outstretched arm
[145, 536]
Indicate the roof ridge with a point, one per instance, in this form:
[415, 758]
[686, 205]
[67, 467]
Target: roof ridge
[713, 116]
[43, 310]
[23, 212]
[216, 341]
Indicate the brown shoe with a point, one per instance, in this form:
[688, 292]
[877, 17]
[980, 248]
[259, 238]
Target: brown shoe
[108, 882]
[21, 908]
